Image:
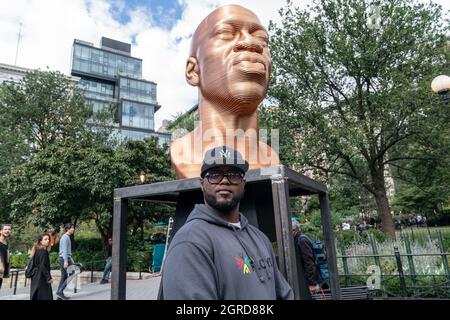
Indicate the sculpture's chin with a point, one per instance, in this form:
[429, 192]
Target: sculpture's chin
[239, 98]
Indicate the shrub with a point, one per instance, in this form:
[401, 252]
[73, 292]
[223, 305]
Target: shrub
[377, 235]
[316, 218]
[88, 244]
[89, 259]
[346, 237]
[18, 260]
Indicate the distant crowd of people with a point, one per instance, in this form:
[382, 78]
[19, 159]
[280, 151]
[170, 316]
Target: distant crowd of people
[358, 227]
[415, 220]
[404, 222]
[39, 263]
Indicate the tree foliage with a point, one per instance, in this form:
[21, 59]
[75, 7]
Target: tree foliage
[347, 95]
[63, 165]
[74, 180]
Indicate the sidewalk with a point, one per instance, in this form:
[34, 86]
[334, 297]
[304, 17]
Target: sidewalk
[146, 289]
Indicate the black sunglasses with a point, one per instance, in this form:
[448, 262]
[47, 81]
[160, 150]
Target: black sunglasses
[216, 177]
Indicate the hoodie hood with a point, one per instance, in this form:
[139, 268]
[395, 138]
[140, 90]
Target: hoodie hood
[202, 212]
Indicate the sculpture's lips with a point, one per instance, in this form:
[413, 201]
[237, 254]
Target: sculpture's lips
[249, 60]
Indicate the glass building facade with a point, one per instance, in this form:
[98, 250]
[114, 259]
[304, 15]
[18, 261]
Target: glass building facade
[137, 90]
[94, 61]
[110, 75]
[137, 115]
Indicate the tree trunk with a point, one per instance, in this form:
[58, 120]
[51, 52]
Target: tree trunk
[103, 233]
[384, 211]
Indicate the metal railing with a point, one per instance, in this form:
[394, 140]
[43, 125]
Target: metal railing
[409, 283]
[90, 266]
[16, 273]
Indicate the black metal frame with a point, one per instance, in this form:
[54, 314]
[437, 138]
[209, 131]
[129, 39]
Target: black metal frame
[285, 183]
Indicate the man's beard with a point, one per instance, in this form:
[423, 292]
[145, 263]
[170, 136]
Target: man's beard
[224, 206]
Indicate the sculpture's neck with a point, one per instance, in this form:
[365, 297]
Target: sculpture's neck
[226, 120]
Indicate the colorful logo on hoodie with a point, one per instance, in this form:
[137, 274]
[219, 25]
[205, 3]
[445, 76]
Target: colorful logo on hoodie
[244, 265]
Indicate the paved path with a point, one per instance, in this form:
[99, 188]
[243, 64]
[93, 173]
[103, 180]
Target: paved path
[146, 289]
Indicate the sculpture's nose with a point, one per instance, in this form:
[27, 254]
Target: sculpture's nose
[247, 42]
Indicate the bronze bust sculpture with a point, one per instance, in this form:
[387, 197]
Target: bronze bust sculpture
[230, 64]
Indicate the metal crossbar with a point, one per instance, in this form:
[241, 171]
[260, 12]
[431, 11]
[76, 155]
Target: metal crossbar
[347, 293]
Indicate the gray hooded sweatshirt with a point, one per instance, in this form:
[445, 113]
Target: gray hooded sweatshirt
[211, 259]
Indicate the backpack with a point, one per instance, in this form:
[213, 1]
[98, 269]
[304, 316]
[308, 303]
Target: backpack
[320, 258]
[30, 269]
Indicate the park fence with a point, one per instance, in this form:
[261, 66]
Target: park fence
[395, 275]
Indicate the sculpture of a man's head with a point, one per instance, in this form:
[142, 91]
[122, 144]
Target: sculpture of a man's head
[229, 59]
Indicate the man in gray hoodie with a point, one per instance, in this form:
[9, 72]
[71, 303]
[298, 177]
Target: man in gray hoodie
[217, 255]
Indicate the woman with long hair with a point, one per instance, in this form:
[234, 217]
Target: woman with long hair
[41, 288]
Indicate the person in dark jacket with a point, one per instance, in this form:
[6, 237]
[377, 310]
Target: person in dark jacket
[217, 254]
[311, 271]
[41, 281]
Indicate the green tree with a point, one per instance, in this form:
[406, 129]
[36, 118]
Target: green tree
[184, 120]
[153, 160]
[348, 94]
[423, 186]
[42, 108]
[45, 106]
[73, 180]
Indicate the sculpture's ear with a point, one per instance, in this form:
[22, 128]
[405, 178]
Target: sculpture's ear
[192, 72]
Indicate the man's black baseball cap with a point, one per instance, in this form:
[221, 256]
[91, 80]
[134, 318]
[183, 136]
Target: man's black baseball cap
[223, 156]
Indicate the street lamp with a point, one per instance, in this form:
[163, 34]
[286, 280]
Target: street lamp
[441, 85]
[143, 178]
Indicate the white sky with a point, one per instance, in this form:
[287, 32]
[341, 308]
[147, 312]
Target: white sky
[50, 26]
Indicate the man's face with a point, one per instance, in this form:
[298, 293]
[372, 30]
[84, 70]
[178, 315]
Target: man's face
[110, 241]
[233, 58]
[6, 231]
[222, 196]
[71, 231]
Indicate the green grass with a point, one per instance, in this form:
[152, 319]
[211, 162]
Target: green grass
[423, 230]
[87, 230]
[423, 234]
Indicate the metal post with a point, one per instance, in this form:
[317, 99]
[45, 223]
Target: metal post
[76, 283]
[330, 246]
[283, 226]
[15, 281]
[140, 270]
[119, 258]
[400, 272]
[378, 263]
[443, 255]
[169, 230]
[92, 271]
[142, 231]
[429, 233]
[411, 262]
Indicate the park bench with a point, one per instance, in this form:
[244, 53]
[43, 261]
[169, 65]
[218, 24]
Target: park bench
[347, 293]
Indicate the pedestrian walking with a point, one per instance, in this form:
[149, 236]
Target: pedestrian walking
[41, 281]
[65, 259]
[108, 266]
